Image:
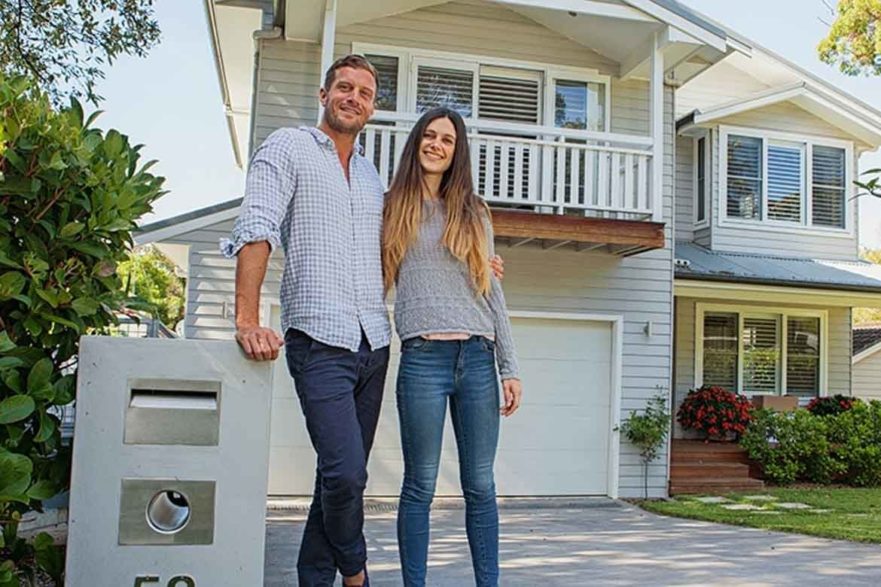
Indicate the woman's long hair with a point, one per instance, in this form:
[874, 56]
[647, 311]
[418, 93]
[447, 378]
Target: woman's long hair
[465, 233]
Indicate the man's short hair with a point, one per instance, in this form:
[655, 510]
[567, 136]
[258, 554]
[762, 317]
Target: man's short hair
[353, 61]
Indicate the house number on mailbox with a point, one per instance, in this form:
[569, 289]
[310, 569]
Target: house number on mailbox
[176, 581]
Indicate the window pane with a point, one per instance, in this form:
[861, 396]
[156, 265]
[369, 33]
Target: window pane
[761, 354]
[387, 85]
[803, 356]
[701, 179]
[784, 183]
[720, 350]
[440, 86]
[744, 177]
[580, 105]
[828, 175]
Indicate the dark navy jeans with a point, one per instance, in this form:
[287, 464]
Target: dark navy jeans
[341, 394]
[463, 374]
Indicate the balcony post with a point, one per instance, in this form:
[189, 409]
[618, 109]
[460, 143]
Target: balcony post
[656, 89]
[328, 38]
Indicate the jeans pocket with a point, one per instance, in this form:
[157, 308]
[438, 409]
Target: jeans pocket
[489, 345]
[417, 343]
[297, 346]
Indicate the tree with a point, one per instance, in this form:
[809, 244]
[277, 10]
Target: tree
[64, 44]
[152, 277]
[854, 39]
[70, 195]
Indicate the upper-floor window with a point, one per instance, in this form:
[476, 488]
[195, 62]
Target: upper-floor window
[416, 80]
[782, 181]
[701, 178]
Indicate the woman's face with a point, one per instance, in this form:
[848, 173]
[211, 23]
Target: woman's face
[438, 146]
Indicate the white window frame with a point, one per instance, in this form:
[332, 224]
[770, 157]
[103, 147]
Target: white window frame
[783, 314]
[805, 228]
[403, 97]
[550, 72]
[708, 184]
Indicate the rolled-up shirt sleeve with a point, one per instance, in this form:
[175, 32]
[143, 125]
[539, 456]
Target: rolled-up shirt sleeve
[270, 185]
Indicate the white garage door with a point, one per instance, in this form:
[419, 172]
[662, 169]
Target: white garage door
[557, 444]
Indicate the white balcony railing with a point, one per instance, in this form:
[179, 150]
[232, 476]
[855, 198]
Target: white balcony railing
[551, 170]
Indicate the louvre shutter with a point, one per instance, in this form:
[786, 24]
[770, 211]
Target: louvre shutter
[510, 99]
[828, 193]
[744, 177]
[761, 354]
[784, 182]
[803, 356]
[720, 350]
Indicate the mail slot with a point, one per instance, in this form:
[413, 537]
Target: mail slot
[173, 411]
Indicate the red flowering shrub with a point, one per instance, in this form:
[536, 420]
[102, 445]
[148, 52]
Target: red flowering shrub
[715, 411]
[832, 405]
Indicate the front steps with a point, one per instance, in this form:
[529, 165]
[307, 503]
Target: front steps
[710, 467]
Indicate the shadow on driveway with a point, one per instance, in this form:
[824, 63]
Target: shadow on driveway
[595, 542]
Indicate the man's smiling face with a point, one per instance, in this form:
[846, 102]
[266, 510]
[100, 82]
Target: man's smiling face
[349, 102]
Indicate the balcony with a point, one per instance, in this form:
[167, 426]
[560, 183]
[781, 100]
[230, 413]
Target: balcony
[554, 187]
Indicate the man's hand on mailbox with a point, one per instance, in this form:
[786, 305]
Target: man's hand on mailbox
[259, 343]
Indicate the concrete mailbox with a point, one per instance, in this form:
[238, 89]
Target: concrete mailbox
[170, 465]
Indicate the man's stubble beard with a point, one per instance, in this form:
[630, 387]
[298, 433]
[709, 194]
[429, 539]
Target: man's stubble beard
[334, 122]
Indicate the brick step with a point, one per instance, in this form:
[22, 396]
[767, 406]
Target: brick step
[685, 470]
[717, 485]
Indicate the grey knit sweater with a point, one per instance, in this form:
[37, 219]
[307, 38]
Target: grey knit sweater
[434, 293]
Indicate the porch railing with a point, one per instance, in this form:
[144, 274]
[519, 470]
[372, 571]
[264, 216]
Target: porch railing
[551, 170]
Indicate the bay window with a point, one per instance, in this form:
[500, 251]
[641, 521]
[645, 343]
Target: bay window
[774, 179]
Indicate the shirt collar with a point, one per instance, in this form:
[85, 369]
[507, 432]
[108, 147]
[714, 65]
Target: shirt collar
[327, 142]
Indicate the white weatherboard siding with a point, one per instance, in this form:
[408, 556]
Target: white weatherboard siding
[867, 377]
[557, 444]
[685, 188]
[838, 352]
[638, 288]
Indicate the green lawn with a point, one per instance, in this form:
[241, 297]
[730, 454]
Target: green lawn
[854, 514]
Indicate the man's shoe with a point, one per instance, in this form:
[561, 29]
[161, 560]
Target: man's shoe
[366, 582]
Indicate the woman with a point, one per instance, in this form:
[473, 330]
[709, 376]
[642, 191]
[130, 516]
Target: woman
[450, 315]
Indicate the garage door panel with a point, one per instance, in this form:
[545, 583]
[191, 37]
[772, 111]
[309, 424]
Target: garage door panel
[288, 427]
[557, 444]
[542, 430]
[547, 383]
[519, 473]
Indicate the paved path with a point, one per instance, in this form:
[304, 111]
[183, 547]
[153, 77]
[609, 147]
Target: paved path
[597, 542]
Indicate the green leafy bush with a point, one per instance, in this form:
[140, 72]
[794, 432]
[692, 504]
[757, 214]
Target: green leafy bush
[855, 437]
[647, 431]
[69, 198]
[790, 446]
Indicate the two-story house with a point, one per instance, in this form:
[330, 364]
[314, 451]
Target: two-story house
[673, 204]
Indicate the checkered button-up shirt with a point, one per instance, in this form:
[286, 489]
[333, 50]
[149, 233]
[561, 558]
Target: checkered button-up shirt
[296, 196]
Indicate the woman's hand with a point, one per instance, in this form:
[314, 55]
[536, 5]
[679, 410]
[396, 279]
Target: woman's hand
[497, 265]
[513, 390]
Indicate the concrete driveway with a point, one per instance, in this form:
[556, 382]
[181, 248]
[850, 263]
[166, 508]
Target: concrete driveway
[594, 542]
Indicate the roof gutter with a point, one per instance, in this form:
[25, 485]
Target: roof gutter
[221, 78]
[778, 283]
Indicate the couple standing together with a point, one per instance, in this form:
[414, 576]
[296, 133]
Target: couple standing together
[346, 244]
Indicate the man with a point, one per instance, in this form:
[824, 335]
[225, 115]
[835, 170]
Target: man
[310, 191]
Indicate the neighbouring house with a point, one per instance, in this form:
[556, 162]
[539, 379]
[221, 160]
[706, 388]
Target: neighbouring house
[867, 361]
[673, 203]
